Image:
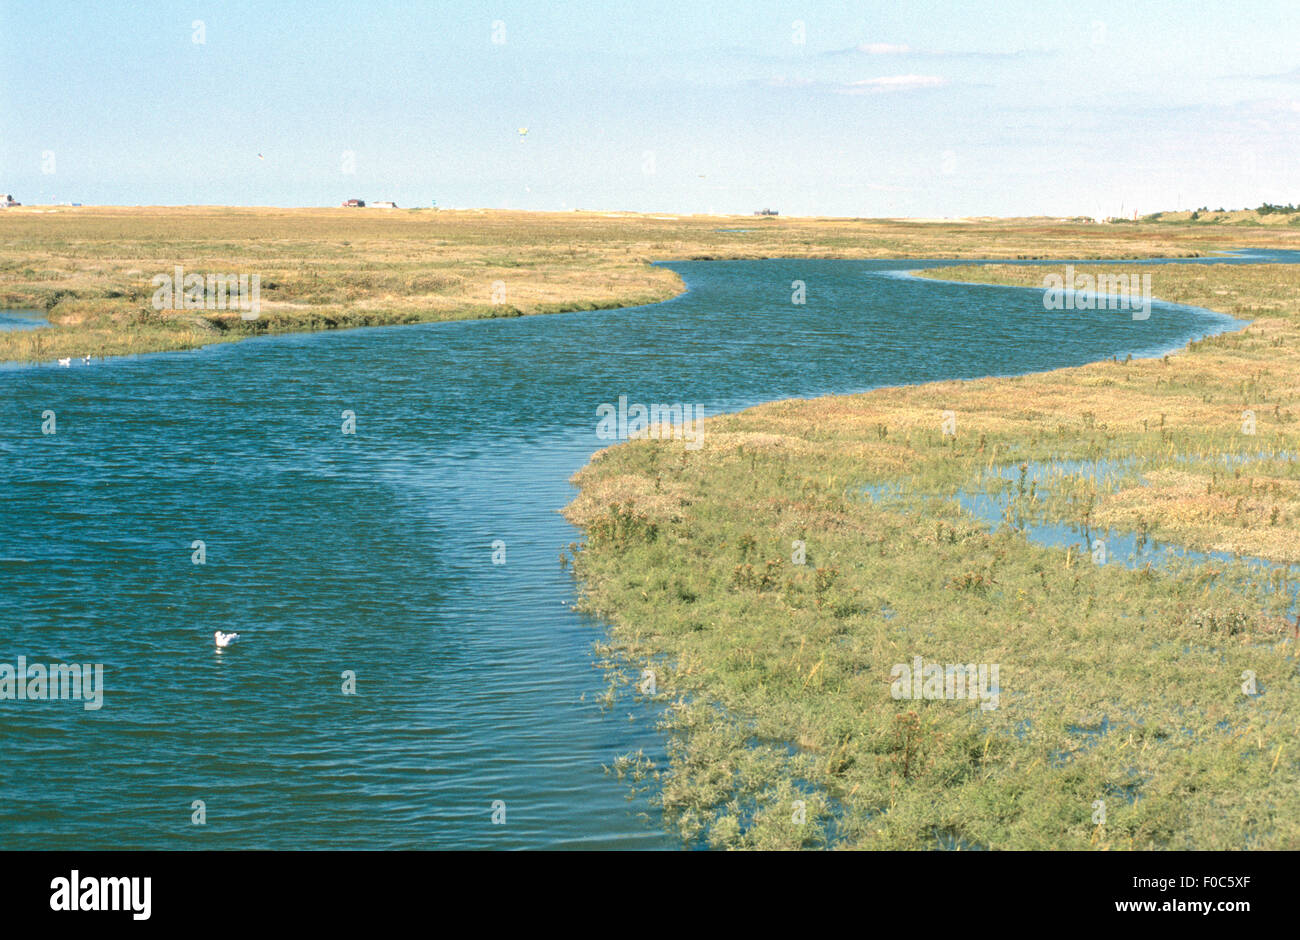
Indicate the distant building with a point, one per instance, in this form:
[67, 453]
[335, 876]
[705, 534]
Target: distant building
[7, 200]
[354, 204]
[767, 212]
[383, 205]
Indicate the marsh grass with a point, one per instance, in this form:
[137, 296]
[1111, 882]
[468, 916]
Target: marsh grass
[1117, 684]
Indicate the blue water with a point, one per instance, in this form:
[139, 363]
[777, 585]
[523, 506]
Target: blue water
[372, 552]
[21, 320]
[1131, 549]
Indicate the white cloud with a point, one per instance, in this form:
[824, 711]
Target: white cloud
[902, 49]
[883, 48]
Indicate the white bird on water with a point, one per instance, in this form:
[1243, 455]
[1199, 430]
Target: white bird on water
[85, 360]
[225, 639]
[65, 362]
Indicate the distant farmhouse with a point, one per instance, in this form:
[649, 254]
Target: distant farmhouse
[7, 200]
[355, 204]
[383, 205]
[767, 212]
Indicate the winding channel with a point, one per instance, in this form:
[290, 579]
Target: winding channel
[372, 553]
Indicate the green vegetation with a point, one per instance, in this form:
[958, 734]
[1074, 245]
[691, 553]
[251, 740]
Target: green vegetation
[1117, 685]
[1266, 214]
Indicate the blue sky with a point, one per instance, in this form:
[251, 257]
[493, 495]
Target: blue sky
[867, 109]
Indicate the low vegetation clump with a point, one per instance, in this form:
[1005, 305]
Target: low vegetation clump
[1267, 214]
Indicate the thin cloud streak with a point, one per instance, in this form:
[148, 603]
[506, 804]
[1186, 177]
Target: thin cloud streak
[888, 83]
[884, 84]
[904, 50]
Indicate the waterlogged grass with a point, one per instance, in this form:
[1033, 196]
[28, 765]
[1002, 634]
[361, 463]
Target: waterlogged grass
[90, 269]
[1169, 694]
[1206, 439]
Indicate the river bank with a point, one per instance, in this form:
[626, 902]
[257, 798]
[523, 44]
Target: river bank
[774, 597]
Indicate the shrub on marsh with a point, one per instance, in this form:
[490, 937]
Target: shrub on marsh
[622, 527]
